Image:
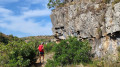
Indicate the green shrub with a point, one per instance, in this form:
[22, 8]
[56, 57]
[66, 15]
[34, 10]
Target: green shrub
[15, 52]
[22, 55]
[54, 3]
[72, 51]
[3, 38]
[51, 63]
[48, 47]
[18, 53]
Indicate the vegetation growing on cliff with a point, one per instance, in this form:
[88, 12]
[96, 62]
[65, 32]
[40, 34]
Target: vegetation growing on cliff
[54, 3]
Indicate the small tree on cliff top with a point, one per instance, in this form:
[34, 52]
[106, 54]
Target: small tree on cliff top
[54, 3]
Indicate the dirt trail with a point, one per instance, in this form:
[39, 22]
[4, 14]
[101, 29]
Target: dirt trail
[42, 64]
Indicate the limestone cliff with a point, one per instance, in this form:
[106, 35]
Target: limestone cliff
[96, 21]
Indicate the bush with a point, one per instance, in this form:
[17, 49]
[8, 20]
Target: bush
[18, 53]
[3, 38]
[71, 51]
[54, 3]
[48, 47]
[15, 52]
[23, 55]
[51, 63]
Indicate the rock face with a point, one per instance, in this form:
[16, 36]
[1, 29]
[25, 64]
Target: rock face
[96, 21]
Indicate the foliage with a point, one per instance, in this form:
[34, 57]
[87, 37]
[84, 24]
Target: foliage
[3, 39]
[49, 46]
[71, 51]
[22, 55]
[8, 38]
[18, 53]
[54, 3]
[51, 63]
[38, 38]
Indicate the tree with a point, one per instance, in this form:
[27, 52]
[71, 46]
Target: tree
[3, 39]
[54, 3]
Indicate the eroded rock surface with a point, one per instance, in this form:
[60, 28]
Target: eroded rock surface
[98, 22]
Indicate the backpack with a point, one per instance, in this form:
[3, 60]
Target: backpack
[40, 48]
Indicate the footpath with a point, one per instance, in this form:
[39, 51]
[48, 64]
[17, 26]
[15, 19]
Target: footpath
[42, 64]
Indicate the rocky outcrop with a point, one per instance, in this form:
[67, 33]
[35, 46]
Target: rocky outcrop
[96, 21]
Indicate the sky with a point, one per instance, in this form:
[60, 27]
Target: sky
[23, 18]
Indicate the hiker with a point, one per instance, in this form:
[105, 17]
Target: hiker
[41, 51]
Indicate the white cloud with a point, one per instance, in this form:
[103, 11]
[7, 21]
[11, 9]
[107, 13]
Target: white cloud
[19, 23]
[4, 11]
[40, 3]
[28, 27]
[37, 12]
[24, 8]
[7, 1]
[37, 1]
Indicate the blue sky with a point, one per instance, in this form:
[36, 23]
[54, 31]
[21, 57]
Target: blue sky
[24, 18]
